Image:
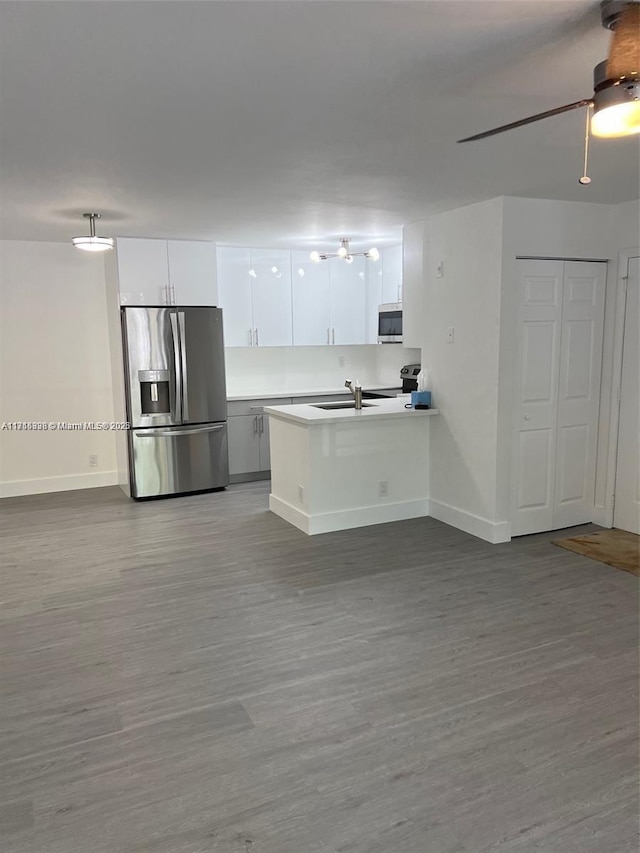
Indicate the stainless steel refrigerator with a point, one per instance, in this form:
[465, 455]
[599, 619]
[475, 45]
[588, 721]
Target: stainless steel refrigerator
[176, 400]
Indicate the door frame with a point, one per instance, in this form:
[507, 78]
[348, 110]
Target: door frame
[624, 258]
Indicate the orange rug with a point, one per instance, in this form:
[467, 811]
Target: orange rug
[616, 548]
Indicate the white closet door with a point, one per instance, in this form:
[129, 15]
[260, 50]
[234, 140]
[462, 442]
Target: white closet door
[626, 514]
[537, 360]
[234, 294]
[579, 392]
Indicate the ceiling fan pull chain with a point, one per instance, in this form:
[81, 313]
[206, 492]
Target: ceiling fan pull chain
[585, 179]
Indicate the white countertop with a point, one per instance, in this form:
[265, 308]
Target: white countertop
[378, 409]
[300, 392]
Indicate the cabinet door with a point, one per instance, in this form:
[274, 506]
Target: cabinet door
[392, 274]
[244, 444]
[192, 272]
[348, 301]
[271, 296]
[311, 301]
[374, 300]
[234, 296]
[143, 272]
[263, 439]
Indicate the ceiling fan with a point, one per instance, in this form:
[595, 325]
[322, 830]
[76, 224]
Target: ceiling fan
[615, 104]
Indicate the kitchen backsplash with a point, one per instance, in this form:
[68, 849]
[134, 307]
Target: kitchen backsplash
[266, 370]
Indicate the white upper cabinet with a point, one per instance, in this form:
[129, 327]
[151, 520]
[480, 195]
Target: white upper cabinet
[161, 272]
[192, 272]
[311, 301]
[270, 275]
[348, 301]
[255, 297]
[143, 272]
[392, 274]
[234, 287]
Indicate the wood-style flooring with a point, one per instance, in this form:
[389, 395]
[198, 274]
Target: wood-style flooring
[195, 675]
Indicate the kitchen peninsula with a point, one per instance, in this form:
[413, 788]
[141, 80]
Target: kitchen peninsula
[334, 468]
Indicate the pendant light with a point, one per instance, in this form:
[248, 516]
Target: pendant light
[91, 242]
[345, 253]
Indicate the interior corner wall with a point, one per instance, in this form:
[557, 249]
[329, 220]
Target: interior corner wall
[553, 229]
[464, 374]
[54, 367]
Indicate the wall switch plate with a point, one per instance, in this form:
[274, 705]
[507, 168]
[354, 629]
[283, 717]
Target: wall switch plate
[449, 335]
[440, 270]
[383, 489]
[93, 460]
[301, 494]
[341, 361]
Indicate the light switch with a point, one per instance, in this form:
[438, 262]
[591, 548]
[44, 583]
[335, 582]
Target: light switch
[440, 270]
[449, 337]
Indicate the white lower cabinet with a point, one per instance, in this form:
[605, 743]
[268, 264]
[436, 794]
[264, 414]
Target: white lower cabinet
[248, 433]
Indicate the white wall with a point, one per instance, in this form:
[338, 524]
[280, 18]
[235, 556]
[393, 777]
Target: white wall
[54, 367]
[268, 370]
[472, 379]
[464, 375]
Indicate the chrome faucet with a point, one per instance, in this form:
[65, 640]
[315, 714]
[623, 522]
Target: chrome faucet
[356, 390]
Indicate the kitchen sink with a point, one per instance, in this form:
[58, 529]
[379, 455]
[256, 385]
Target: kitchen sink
[351, 404]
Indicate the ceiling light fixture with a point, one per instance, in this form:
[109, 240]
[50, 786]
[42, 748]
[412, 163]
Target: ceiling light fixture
[345, 253]
[92, 243]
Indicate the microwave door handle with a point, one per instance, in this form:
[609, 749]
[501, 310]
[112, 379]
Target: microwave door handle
[176, 365]
[183, 361]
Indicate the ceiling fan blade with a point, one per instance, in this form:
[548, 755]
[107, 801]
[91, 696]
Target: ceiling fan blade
[538, 117]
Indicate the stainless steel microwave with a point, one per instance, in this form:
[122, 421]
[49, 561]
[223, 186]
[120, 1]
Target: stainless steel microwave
[390, 323]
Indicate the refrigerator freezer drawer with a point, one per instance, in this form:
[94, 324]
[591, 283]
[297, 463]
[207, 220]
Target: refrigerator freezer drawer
[174, 460]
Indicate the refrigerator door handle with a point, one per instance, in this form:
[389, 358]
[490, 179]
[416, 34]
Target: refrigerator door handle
[176, 364]
[183, 359]
[170, 433]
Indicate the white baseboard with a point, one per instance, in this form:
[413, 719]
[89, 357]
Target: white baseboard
[346, 519]
[17, 488]
[490, 531]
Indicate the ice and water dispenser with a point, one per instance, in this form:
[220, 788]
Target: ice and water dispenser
[154, 392]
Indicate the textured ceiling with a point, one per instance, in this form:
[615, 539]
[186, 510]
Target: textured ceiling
[290, 123]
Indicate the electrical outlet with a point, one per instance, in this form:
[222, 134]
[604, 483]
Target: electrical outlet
[301, 494]
[341, 361]
[93, 460]
[450, 335]
[440, 270]
[383, 489]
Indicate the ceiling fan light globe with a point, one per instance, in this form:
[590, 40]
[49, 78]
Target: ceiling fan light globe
[315, 258]
[617, 120]
[342, 252]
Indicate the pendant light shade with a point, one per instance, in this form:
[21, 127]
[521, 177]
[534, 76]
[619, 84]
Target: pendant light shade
[92, 242]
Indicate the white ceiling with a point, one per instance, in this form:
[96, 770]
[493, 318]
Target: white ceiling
[290, 123]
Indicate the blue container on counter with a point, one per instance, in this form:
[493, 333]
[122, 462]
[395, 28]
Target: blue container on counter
[420, 398]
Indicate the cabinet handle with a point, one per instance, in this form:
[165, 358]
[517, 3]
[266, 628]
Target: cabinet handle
[250, 338]
[255, 425]
[328, 339]
[256, 336]
[399, 293]
[333, 336]
[172, 291]
[167, 295]
[261, 423]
